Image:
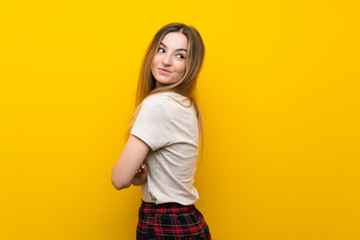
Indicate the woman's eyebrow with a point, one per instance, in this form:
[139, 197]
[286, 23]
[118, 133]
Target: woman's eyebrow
[179, 49]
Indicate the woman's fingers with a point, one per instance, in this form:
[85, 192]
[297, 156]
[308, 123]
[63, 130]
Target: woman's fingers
[143, 165]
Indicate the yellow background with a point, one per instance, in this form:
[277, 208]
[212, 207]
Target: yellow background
[279, 92]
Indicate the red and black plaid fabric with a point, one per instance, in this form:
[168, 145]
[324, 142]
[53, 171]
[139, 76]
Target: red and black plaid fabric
[171, 221]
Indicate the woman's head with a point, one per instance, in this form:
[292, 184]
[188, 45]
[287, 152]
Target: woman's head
[168, 65]
[179, 49]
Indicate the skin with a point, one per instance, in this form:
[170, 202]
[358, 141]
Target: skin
[126, 169]
[171, 55]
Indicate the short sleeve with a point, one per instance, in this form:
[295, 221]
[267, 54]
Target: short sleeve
[152, 125]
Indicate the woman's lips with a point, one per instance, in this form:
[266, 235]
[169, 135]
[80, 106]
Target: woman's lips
[164, 71]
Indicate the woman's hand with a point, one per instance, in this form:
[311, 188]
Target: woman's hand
[141, 175]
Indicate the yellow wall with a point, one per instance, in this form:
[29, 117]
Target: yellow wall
[280, 98]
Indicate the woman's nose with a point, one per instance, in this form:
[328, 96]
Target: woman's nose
[166, 59]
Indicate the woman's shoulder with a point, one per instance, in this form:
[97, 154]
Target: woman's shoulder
[167, 98]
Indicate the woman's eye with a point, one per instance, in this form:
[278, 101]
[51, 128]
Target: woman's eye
[161, 50]
[180, 56]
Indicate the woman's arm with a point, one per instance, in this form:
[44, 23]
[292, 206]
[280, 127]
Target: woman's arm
[130, 160]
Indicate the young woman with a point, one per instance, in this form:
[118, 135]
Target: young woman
[163, 139]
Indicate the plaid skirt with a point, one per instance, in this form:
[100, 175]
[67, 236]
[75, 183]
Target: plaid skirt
[171, 221]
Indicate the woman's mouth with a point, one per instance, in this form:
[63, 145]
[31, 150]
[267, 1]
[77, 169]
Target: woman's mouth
[164, 71]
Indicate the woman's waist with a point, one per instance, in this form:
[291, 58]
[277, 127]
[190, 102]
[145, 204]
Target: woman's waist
[165, 208]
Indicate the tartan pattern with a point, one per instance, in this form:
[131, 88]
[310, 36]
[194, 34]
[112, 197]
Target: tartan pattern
[171, 221]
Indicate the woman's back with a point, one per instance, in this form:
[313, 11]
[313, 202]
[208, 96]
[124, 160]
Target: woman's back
[167, 122]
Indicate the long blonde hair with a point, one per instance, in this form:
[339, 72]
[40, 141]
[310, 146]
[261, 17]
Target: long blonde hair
[186, 86]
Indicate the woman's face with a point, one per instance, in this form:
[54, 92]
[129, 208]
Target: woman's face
[168, 65]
